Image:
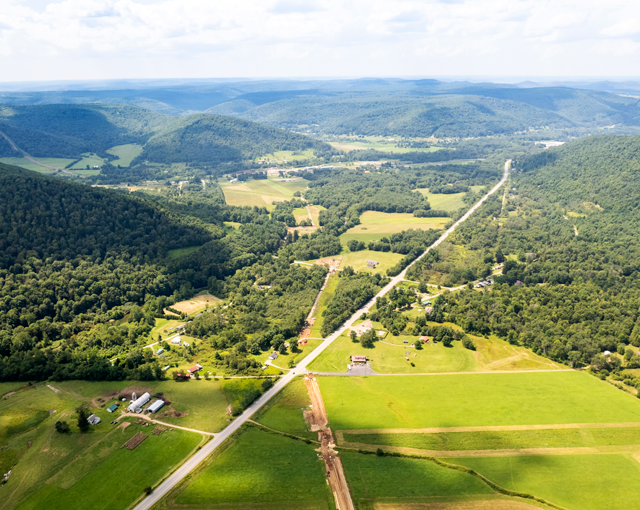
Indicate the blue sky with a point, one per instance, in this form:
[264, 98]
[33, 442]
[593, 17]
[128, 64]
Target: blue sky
[112, 39]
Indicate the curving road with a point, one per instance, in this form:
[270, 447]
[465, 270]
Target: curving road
[207, 449]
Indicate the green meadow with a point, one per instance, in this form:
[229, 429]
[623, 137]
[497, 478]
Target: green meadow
[483, 399]
[444, 201]
[257, 469]
[89, 159]
[125, 153]
[261, 192]
[576, 482]
[29, 165]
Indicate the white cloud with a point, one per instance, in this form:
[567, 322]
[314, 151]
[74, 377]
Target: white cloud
[170, 38]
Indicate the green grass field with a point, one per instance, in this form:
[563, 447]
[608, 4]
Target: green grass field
[125, 153]
[379, 144]
[376, 225]
[315, 213]
[507, 439]
[261, 192]
[289, 155]
[474, 400]
[257, 470]
[25, 163]
[371, 478]
[576, 482]
[88, 159]
[325, 299]
[284, 412]
[358, 260]
[442, 201]
[52, 470]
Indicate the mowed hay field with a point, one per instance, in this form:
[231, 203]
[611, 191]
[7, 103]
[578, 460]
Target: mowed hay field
[467, 400]
[55, 471]
[30, 165]
[576, 482]
[261, 192]
[444, 201]
[125, 153]
[196, 303]
[388, 356]
[258, 470]
[374, 225]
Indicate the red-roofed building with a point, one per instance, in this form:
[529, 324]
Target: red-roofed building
[194, 369]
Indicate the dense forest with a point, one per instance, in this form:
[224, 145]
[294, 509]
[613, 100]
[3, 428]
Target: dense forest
[568, 240]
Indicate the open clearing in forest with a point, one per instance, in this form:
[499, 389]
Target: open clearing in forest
[576, 482]
[259, 470]
[261, 192]
[73, 470]
[325, 299]
[388, 356]
[443, 201]
[482, 399]
[125, 153]
[30, 165]
[196, 303]
[375, 225]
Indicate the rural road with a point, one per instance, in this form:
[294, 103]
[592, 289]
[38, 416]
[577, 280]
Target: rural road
[220, 438]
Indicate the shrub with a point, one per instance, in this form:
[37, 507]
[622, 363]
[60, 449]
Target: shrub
[62, 427]
[467, 343]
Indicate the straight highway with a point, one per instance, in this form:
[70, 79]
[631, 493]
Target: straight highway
[301, 368]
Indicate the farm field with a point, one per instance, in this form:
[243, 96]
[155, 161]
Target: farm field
[576, 482]
[256, 469]
[358, 260]
[125, 153]
[199, 405]
[481, 399]
[88, 159]
[25, 163]
[443, 201]
[196, 303]
[413, 480]
[374, 225]
[53, 470]
[503, 439]
[379, 144]
[284, 412]
[388, 356]
[261, 192]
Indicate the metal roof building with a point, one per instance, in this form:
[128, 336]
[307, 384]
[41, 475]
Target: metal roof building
[153, 408]
[93, 419]
[112, 408]
[136, 405]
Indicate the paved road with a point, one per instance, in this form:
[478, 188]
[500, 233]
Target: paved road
[207, 449]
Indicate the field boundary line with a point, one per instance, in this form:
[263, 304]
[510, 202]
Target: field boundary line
[510, 452]
[479, 372]
[493, 428]
[282, 433]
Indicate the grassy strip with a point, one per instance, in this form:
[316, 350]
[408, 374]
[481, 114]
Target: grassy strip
[251, 423]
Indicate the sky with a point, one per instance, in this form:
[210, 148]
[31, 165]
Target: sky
[137, 39]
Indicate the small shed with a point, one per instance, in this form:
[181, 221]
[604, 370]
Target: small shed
[93, 419]
[371, 264]
[112, 408]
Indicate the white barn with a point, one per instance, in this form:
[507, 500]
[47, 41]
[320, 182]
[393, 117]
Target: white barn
[156, 406]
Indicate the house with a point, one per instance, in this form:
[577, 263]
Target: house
[155, 407]
[112, 408]
[425, 302]
[93, 420]
[194, 369]
[176, 340]
[273, 355]
[363, 327]
[136, 405]
[358, 359]
[159, 351]
[424, 339]
[371, 264]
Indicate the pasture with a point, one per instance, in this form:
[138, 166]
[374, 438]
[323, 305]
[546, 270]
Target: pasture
[261, 192]
[575, 482]
[29, 165]
[444, 201]
[358, 260]
[375, 225]
[503, 439]
[483, 399]
[259, 470]
[388, 356]
[289, 155]
[284, 412]
[53, 470]
[378, 143]
[414, 480]
[125, 153]
[89, 159]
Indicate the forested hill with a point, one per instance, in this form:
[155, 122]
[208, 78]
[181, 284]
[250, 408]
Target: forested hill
[217, 139]
[68, 131]
[44, 217]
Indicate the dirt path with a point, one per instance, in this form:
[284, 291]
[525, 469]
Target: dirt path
[319, 421]
[164, 423]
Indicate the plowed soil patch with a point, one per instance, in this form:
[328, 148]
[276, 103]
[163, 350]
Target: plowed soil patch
[135, 441]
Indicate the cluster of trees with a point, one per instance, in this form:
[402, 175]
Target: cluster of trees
[353, 291]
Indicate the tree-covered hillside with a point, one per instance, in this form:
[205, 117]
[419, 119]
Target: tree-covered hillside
[216, 139]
